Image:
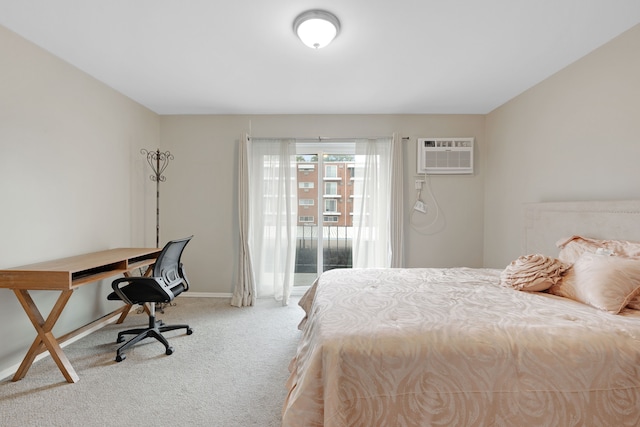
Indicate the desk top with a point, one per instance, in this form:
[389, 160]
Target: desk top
[71, 272]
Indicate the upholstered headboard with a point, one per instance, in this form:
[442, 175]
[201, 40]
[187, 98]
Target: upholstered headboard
[546, 223]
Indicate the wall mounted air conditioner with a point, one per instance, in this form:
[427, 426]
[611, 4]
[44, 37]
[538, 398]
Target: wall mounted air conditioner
[445, 155]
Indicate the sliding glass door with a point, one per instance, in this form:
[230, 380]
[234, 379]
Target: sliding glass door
[325, 172]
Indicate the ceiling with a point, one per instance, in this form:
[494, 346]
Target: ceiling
[391, 57]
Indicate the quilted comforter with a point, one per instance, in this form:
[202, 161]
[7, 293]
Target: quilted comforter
[451, 347]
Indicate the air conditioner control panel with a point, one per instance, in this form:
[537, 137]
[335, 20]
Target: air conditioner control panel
[448, 143]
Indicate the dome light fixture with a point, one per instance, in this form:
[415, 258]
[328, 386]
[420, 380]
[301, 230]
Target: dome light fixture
[316, 28]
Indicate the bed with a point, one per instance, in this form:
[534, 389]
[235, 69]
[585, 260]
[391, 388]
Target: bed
[457, 347]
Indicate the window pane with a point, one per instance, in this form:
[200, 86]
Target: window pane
[331, 188]
[331, 205]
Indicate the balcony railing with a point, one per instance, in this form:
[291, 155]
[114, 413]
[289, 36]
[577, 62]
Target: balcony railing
[336, 242]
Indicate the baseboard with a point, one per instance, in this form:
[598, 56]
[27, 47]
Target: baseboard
[206, 295]
[296, 291]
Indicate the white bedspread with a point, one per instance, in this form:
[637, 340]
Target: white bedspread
[450, 347]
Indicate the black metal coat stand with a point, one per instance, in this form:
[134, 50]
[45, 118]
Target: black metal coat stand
[158, 162]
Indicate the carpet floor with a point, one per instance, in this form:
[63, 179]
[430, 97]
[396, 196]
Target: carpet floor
[230, 372]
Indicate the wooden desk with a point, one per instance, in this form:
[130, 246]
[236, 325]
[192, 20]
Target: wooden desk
[66, 275]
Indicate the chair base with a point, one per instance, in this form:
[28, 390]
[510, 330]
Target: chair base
[154, 330]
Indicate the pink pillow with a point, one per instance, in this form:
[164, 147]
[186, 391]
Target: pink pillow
[608, 283]
[634, 303]
[532, 273]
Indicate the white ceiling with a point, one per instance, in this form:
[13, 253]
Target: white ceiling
[392, 56]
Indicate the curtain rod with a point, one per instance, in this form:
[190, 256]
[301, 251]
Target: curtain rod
[325, 138]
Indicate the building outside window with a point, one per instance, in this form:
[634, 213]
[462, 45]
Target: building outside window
[331, 205]
[330, 188]
[331, 171]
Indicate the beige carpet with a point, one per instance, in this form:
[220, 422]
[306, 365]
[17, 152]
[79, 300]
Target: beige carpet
[230, 372]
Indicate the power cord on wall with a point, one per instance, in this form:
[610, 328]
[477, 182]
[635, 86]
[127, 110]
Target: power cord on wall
[420, 206]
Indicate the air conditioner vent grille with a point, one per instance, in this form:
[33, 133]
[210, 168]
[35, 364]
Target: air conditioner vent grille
[445, 155]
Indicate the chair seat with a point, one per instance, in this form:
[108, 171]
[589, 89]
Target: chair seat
[140, 294]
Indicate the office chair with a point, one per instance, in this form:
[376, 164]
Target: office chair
[166, 282]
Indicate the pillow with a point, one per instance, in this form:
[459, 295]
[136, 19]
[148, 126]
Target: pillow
[571, 248]
[634, 303]
[532, 273]
[608, 283]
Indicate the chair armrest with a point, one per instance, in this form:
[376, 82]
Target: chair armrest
[183, 274]
[154, 283]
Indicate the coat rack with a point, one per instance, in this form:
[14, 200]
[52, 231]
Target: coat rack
[158, 162]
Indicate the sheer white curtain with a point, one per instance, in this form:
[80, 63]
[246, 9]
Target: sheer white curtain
[396, 216]
[377, 209]
[244, 293]
[272, 215]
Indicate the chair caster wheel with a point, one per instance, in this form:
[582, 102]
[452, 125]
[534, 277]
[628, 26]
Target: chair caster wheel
[189, 331]
[120, 357]
[169, 351]
[120, 338]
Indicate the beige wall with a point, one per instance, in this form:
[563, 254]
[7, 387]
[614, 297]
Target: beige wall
[201, 189]
[575, 136]
[70, 179]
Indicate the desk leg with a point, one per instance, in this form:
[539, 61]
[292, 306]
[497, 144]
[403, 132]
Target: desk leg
[125, 310]
[45, 337]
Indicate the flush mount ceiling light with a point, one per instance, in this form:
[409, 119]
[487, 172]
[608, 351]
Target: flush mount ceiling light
[316, 28]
